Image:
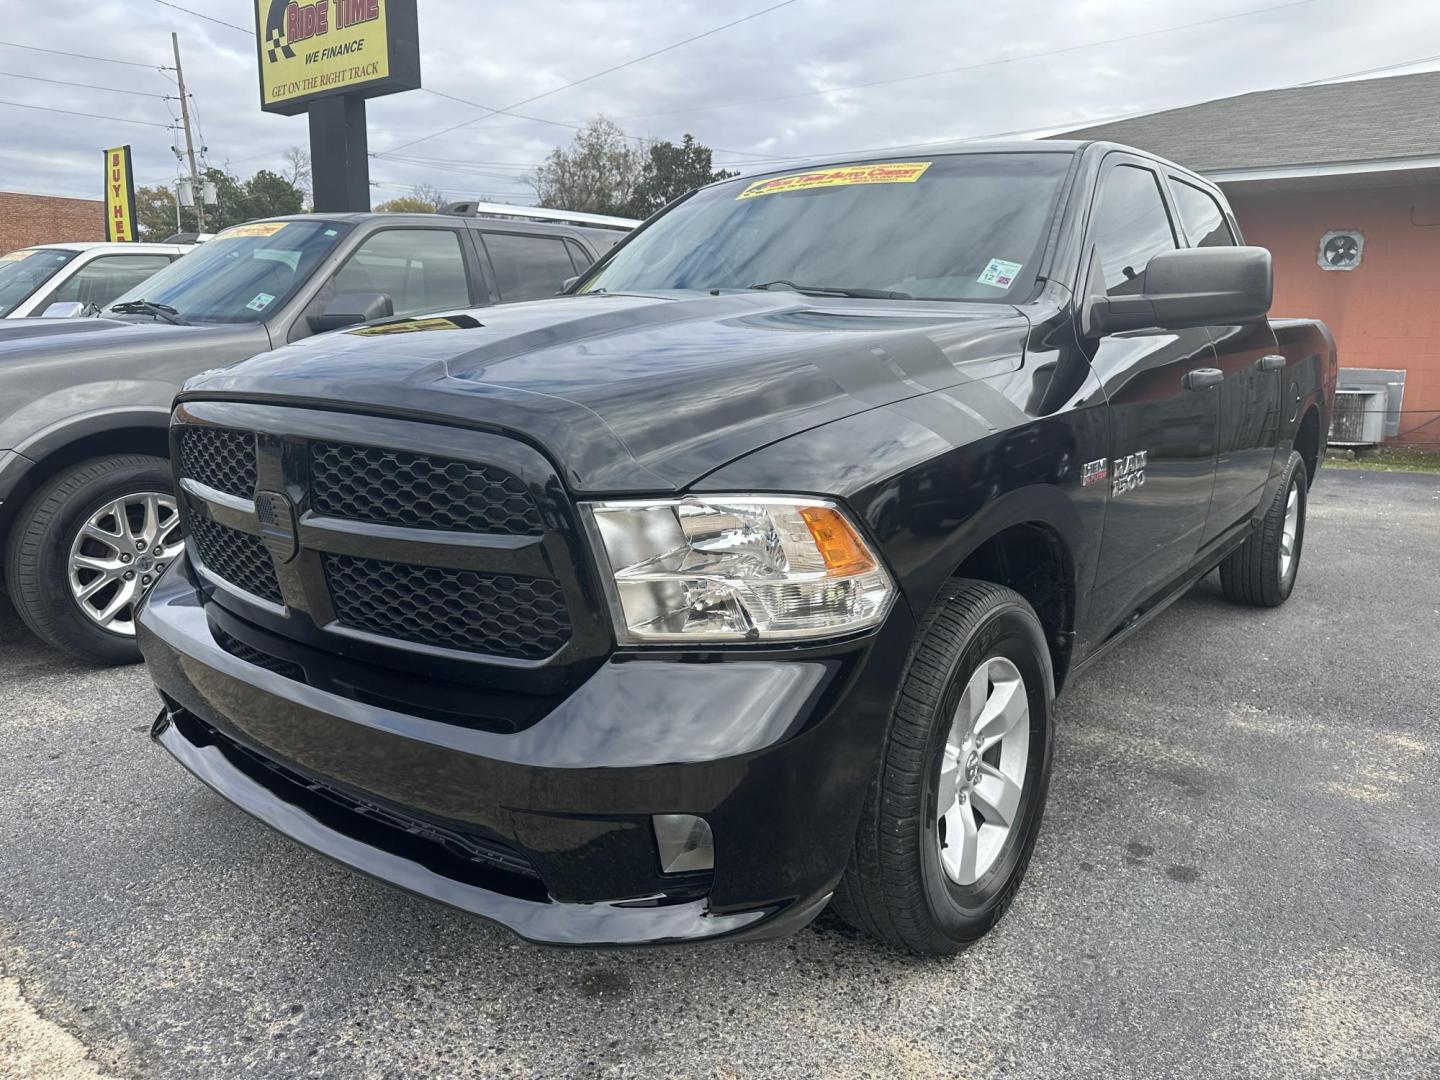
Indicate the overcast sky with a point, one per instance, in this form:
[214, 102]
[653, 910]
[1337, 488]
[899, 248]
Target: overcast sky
[497, 52]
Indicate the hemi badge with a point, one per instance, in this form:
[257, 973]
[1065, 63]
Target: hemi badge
[1092, 472]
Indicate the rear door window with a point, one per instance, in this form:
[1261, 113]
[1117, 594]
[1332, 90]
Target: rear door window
[421, 270]
[1200, 216]
[528, 267]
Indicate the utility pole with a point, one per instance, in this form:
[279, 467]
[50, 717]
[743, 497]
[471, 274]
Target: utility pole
[189, 142]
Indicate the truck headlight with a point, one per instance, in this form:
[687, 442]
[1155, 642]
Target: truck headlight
[737, 568]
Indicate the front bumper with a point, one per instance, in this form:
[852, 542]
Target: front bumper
[547, 830]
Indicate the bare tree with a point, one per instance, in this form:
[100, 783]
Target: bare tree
[297, 169]
[597, 173]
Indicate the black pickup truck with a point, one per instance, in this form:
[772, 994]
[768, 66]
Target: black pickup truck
[742, 580]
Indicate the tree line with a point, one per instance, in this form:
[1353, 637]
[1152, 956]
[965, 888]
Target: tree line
[602, 171]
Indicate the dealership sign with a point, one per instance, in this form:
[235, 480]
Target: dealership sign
[363, 48]
[119, 195]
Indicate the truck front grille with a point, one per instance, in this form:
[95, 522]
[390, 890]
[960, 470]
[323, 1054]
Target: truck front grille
[392, 487]
[237, 557]
[219, 458]
[469, 550]
[496, 614]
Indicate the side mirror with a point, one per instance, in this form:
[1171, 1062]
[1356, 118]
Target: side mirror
[1191, 287]
[67, 309]
[351, 309]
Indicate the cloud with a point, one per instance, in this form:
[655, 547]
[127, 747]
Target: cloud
[503, 51]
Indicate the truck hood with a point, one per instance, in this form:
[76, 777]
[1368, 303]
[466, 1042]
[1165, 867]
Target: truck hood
[639, 393]
[38, 338]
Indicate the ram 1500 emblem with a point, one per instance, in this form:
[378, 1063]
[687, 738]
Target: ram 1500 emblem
[1129, 473]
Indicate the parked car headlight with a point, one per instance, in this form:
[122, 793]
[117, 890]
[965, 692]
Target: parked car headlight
[737, 568]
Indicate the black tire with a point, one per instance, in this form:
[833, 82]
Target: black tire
[895, 887]
[37, 558]
[1251, 574]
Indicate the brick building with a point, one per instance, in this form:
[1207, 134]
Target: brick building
[1342, 183]
[48, 219]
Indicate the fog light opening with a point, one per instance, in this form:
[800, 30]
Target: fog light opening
[685, 843]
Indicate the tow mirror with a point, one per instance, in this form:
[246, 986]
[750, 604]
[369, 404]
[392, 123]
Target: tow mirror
[351, 309]
[1190, 287]
[66, 309]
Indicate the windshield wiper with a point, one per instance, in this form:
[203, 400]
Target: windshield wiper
[163, 312]
[829, 290]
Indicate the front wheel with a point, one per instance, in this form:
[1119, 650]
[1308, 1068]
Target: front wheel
[86, 548]
[954, 809]
[1261, 572]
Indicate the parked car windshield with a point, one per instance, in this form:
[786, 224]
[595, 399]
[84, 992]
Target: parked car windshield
[957, 227]
[24, 271]
[243, 275]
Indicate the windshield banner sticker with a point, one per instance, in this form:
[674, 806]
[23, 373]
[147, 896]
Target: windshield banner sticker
[894, 172]
[261, 302]
[259, 228]
[999, 273]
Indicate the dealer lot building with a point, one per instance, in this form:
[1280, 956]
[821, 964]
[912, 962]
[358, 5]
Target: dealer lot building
[1342, 183]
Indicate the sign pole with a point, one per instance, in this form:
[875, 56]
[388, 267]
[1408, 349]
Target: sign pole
[339, 154]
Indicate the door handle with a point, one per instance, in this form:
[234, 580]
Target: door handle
[1202, 378]
[1273, 362]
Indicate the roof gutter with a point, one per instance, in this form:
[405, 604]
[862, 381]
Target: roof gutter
[1338, 168]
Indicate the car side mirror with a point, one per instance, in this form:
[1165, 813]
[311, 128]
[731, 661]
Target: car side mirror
[351, 309]
[1191, 287]
[67, 309]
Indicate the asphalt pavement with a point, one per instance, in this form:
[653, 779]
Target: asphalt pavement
[1238, 876]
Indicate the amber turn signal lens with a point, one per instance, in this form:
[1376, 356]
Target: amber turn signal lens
[839, 545]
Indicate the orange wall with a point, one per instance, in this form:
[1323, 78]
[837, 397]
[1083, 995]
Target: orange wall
[1386, 312]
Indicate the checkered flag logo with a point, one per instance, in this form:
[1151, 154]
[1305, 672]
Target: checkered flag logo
[276, 45]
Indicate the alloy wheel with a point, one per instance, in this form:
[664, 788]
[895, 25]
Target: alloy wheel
[982, 772]
[1288, 532]
[117, 555]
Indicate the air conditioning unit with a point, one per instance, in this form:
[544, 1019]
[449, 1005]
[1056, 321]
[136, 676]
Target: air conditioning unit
[1359, 418]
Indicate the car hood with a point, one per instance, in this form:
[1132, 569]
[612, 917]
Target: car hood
[637, 393]
[37, 338]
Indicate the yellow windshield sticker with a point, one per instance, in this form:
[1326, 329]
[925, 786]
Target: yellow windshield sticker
[415, 326]
[892, 172]
[258, 228]
[16, 256]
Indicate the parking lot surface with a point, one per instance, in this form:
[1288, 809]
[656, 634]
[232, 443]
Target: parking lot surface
[1238, 876]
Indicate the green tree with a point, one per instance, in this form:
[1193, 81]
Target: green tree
[671, 171]
[598, 173]
[155, 213]
[423, 199]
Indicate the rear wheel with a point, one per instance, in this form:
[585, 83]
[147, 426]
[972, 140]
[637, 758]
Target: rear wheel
[87, 547]
[953, 811]
[1261, 572]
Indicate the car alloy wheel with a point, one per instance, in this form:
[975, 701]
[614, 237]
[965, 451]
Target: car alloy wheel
[117, 555]
[982, 772]
[1289, 529]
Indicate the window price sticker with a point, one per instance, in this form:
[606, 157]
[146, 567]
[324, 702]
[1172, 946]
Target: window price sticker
[999, 273]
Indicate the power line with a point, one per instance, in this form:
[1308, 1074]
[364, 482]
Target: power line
[85, 56]
[966, 67]
[207, 18]
[86, 86]
[93, 116]
[590, 78]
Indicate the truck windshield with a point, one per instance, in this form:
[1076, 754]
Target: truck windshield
[243, 275]
[956, 227]
[24, 271]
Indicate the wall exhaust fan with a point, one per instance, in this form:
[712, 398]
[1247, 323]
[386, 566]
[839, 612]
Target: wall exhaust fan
[1341, 249]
